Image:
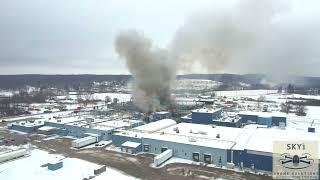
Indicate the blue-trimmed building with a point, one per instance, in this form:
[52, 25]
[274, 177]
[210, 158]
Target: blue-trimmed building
[205, 116]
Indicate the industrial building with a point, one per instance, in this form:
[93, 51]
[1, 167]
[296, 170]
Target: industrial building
[217, 145]
[156, 116]
[213, 143]
[264, 118]
[205, 116]
[78, 127]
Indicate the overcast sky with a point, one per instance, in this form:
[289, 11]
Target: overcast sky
[77, 36]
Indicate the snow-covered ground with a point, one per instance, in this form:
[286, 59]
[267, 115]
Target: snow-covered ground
[6, 93]
[73, 169]
[101, 96]
[196, 84]
[244, 93]
[40, 116]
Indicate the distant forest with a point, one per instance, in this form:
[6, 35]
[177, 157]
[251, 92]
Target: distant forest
[61, 81]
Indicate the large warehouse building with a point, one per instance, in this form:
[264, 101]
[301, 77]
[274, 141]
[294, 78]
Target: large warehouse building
[248, 147]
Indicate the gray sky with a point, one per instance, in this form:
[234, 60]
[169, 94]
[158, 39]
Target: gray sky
[77, 36]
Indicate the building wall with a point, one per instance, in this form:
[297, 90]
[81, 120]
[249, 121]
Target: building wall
[118, 140]
[276, 120]
[260, 162]
[202, 118]
[79, 132]
[186, 151]
[265, 121]
[133, 150]
[245, 118]
[55, 166]
[159, 116]
[26, 129]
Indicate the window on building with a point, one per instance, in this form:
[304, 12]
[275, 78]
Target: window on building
[163, 149]
[196, 157]
[146, 147]
[207, 158]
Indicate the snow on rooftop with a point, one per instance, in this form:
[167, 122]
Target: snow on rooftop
[205, 110]
[263, 114]
[156, 126]
[30, 168]
[65, 120]
[162, 112]
[100, 127]
[198, 141]
[46, 128]
[197, 134]
[263, 138]
[131, 144]
[204, 131]
[119, 123]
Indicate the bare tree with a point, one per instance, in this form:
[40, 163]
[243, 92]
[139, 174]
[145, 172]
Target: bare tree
[301, 110]
[286, 107]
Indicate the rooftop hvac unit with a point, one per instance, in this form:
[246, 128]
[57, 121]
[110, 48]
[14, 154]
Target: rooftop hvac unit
[162, 133]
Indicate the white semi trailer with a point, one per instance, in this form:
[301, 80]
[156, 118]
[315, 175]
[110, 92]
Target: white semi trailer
[7, 156]
[161, 158]
[78, 143]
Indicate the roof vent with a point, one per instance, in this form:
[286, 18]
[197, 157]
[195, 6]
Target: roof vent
[192, 140]
[218, 136]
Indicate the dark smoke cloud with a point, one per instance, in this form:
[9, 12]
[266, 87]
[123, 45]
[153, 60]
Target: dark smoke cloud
[249, 36]
[151, 68]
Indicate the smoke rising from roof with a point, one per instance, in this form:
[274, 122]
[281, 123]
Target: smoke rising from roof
[151, 68]
[241, 37]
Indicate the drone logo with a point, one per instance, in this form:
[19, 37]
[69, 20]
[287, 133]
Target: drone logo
[296, 161]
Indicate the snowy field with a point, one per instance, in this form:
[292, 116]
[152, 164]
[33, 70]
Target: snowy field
[245, 93]
[29, 168]
[6, 93]
[101, 96]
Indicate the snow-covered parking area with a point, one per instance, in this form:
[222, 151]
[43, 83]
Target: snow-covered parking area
[33, 168]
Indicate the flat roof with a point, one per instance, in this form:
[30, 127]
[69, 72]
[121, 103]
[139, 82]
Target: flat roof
[30, 124]
[156, 126]
[198, 141]
[46, 128]
[205, 110]
[263, 114]
[131, 144]
[162, 112]
[119, 123]
[263, 138]
[252, 137]
[199, 134]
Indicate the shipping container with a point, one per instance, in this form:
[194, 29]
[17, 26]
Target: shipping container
[78, 143]
[161, 158]
[12, 155]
